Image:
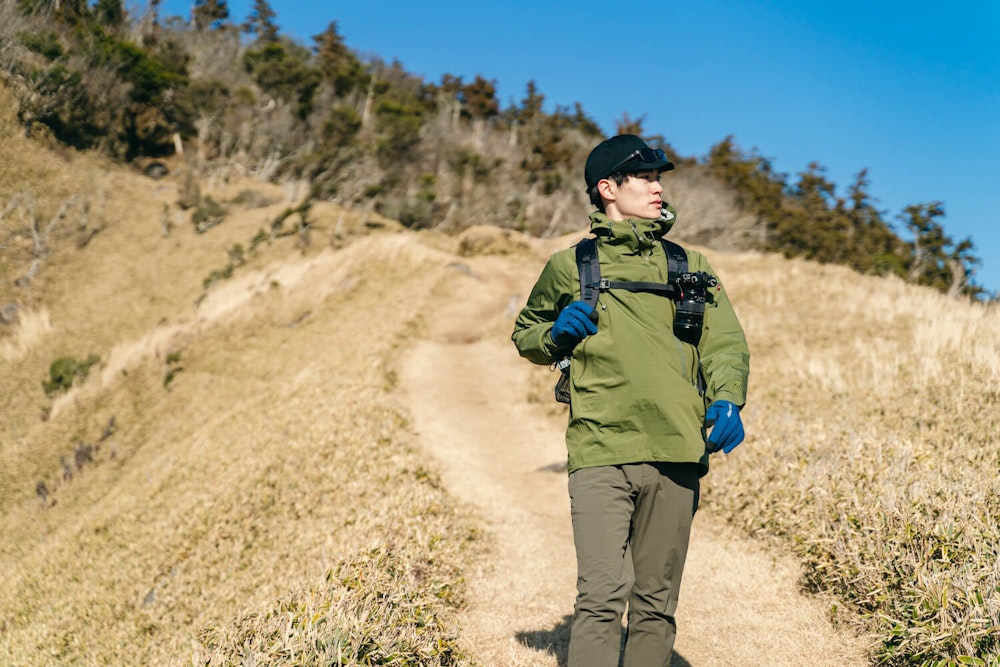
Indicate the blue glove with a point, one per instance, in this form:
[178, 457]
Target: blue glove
[728, 428]
[573, 324]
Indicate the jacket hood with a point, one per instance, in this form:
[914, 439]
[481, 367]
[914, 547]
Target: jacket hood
[638, 233]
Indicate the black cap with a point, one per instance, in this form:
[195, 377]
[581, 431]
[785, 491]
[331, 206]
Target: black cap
[607, 157]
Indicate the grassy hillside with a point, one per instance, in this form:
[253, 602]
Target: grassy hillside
[235, 476]
[273, 460]
[236, 445]
[874, 444]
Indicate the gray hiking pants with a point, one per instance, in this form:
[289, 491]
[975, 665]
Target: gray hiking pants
[631, 525]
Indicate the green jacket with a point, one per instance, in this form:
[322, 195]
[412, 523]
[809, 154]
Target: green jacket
[633, 384]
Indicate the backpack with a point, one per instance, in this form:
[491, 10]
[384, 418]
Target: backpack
[689, 290]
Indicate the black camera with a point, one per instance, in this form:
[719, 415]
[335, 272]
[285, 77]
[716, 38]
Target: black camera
[692, 293]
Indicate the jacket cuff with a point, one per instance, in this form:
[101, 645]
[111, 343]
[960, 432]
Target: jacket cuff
[737, 400]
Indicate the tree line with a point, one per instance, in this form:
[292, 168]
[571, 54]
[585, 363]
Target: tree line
[806, 218]
[95, 75]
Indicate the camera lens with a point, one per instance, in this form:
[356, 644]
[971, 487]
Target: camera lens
[688, 320]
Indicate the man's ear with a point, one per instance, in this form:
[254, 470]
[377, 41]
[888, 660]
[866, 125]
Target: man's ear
[605, 190]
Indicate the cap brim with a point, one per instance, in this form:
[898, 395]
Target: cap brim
[659, 165]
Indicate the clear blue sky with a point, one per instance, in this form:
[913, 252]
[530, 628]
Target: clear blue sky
[910, 91]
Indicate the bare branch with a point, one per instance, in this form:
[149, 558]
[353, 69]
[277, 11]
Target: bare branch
[11, 233]
[11, 205]
[959, 277]
[60, 214]
[31, 227]
[29, 275]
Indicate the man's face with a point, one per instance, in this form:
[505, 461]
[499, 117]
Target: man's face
[639, 196]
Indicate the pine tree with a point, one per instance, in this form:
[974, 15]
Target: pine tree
[877, 248]
[930, 248]
[584, 122]
[759, 189]
[261, 22]
[338, 63]
[65, 11]
[282, 69]
[209, 14]
[628, 125]
[531, 105]
[820, 232]
[110, 13]
[480, 98]
[936, 260]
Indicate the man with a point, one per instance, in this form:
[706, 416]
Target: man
[638, 422]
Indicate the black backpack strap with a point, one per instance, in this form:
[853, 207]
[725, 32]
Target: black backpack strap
[589, 268]
[591, 283]
[677, 260]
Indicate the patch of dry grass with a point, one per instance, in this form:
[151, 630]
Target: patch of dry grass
[385, 604]
[874, 442]
[275, 468]
[28, 330]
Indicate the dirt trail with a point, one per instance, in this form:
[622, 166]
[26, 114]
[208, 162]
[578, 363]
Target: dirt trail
[467, 390]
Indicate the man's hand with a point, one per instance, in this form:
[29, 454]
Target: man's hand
[573, 324]
[727, 432]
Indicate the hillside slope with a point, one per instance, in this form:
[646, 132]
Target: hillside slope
[321, 445]
[263, 464]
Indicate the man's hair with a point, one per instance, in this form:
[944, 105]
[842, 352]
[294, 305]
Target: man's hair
[595, 197]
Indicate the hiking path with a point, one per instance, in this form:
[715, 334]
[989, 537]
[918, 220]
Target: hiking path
[504, 454]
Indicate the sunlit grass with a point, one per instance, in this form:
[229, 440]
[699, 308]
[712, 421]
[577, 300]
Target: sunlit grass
[268, 504]
[874, 445]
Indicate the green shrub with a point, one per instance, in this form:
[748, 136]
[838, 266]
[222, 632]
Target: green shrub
[278, 224]
[398, 124]
[217, 275]
[341, 126]
[426, 191]
[46, 44]
[209, 214]
[258, 238]
[252, 199]
[173, 367]
[467, 161]
[237, 257]
[282, 69]
[64, 371]
[149, 77]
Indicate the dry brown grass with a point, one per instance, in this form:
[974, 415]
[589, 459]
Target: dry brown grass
[273, 472]
[32, 327]
[874, 441]
[273, 468]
